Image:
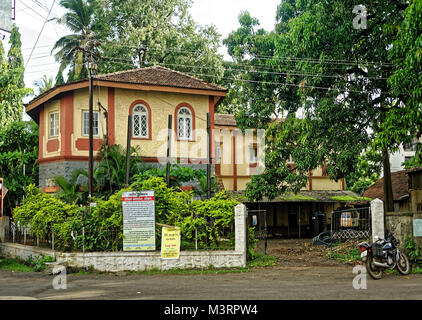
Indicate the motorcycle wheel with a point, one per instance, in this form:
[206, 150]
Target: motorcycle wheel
[403, 265]
[374, 272]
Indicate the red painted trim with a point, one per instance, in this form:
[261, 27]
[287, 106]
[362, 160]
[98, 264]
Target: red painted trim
[217, 169]
[182, 160]
[310, 180]
[82, 144]
[66, 124]
[111, 116]
[65, 158]
[149, 119]
[41, 134]
[187, 105]
[50, 189]
[211, 112]
[53, 145]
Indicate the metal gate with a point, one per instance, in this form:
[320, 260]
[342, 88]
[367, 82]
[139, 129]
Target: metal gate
[258, 219]
[353, 223]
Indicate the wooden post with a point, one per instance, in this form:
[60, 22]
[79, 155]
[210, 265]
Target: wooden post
[209, 156]
[129, 134]
[168, 150]
[91, 137]
[299, 220]
[1, 197]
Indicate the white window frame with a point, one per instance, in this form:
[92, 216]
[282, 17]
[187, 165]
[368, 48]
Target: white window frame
[253, 154]
[53, 124]
[136, 113]
[184, 117]
[85, 126]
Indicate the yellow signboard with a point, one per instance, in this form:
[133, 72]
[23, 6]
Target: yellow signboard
[170, 243]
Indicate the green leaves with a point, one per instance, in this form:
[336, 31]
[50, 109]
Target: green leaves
[18, 155]
[46, 214]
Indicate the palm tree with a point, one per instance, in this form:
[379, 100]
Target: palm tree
[44, 84]
[79, 20]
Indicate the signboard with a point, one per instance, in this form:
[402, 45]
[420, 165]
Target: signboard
[170, 243]
[138, 221]
[417, 227]
[6, 15]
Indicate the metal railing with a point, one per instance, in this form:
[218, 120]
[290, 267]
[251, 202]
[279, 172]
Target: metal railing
[258, 219]
[353, 223]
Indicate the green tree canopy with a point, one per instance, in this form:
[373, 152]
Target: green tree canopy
[18, 159]
[12, 89]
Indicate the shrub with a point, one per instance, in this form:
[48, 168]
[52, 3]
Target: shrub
[411, 248]
[46, 214]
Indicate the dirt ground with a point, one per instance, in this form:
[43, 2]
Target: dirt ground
[297, 253]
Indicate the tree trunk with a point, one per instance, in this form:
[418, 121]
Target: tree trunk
[388, 187]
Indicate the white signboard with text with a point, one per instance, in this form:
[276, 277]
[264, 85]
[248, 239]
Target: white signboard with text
[138, 221]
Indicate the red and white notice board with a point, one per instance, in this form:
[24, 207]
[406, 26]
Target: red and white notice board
[138, 220]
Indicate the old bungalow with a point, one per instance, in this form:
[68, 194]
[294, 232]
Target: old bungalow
[287, 215]
[148, 94]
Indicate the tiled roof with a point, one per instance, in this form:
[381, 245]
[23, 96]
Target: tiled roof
[399, 181]
[156, 75]
[159, 76]
[224, 120]
[328, 196]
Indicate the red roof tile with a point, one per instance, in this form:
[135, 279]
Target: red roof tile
[400, 184]
[159, 76]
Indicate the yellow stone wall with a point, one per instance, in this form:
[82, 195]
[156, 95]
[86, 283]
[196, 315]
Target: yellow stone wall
[162, 104]
[50, 107]
[80, 104]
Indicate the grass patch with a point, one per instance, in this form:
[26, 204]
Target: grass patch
[30, 265]
[346, 252]
[264, 261]
[296, 197]
[350, 198]
[14, 265]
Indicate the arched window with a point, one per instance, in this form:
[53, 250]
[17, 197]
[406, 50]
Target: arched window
[184, 124]
[140, 121]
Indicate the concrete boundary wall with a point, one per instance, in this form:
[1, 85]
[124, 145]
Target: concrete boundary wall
[402, 224]
[140, 261]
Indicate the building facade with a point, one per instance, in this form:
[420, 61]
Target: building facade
[149, 95]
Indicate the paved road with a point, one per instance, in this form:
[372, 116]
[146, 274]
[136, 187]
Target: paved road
[323, 282]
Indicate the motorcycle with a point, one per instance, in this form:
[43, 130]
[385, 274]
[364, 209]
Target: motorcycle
[383, 254]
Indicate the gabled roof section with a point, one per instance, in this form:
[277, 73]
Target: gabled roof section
[221, 119]
[399, 181]
[160, 76]
[154, 78]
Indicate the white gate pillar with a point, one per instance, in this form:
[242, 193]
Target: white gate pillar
[377, 218]
[240, 229]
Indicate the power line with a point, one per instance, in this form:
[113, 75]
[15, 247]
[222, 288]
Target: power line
[39, 35]
[286, 73]
[272, 58]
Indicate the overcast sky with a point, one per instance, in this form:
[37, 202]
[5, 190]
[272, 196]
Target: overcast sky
[31, 14]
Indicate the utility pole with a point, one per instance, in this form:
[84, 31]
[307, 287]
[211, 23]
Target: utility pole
[129, 135]
[92, 67]
[168, 150]
[209, 156]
